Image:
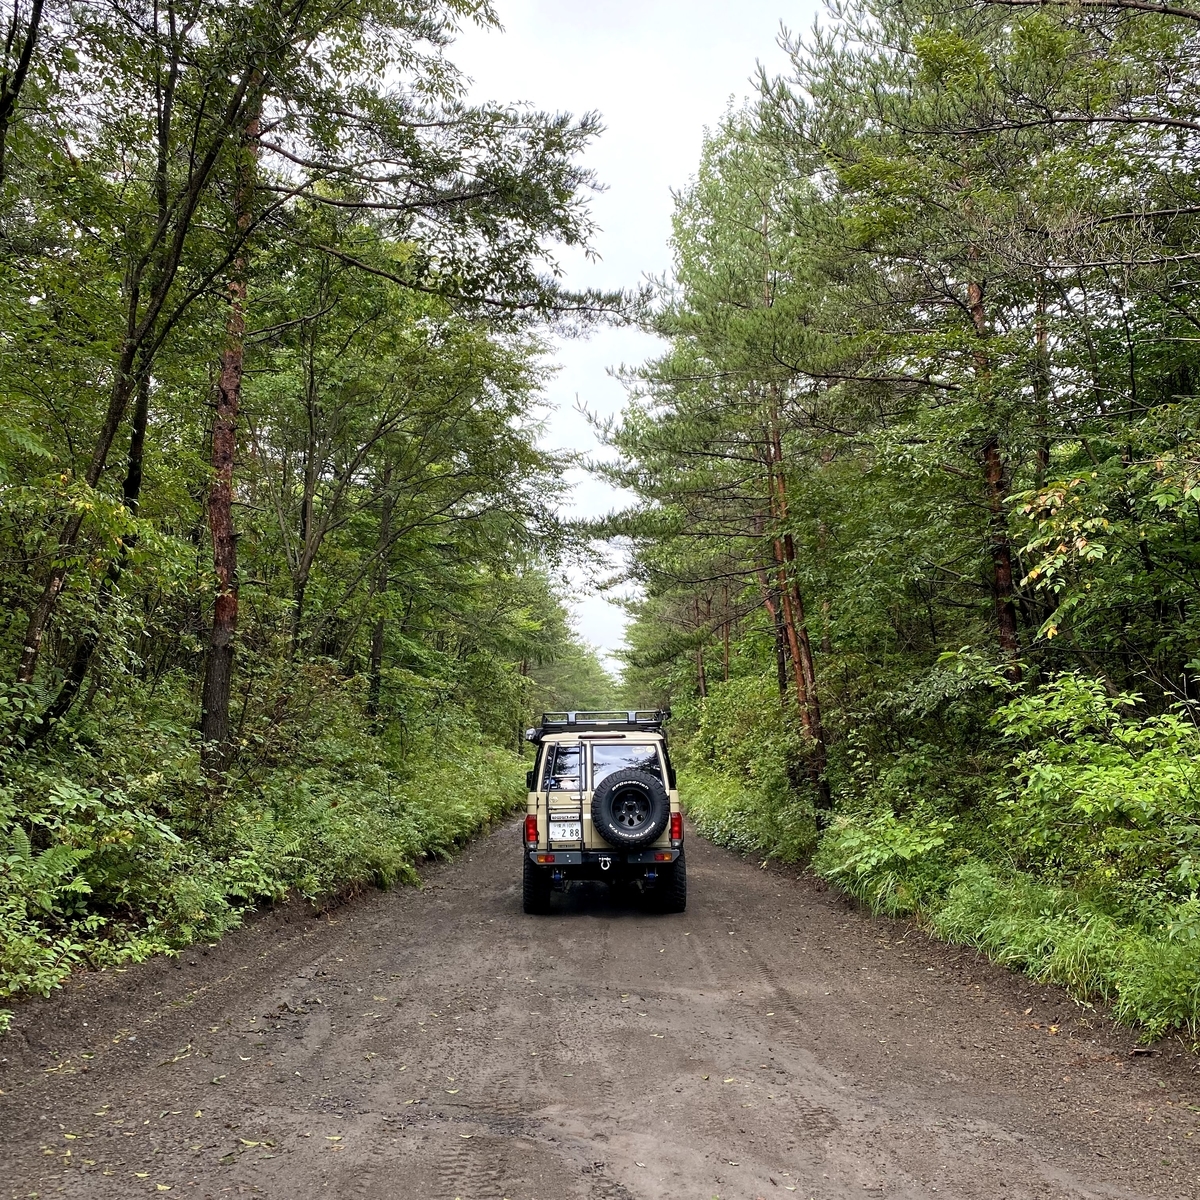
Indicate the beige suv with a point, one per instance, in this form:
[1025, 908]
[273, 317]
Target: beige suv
[603, 805]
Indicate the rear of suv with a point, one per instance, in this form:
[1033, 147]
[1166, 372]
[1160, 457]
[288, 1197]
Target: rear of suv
[603, 805]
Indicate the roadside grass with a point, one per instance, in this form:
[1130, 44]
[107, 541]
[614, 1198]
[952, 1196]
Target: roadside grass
[1053, 828]
[1148, 977]
[115, 847]
[751, 819]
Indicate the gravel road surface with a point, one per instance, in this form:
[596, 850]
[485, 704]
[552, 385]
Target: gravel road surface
[437, 1044]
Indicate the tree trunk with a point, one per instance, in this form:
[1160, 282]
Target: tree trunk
[777, 621]
[996, 489]
[780, 652]
[131, 491]
[299, 588]
[375, 688]
[1041, 390]
[796, 624]
[1002, 569]
[11, 82]
[218, 666]
[380, 589]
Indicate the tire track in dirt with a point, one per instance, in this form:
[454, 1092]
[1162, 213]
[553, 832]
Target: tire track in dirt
[440, 1045]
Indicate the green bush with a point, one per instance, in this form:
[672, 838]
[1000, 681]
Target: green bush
[114, 846]
[1106, 800]
[1063, 840]
[890, 864]
[740, 760]
[734, 813]
[1079, 864]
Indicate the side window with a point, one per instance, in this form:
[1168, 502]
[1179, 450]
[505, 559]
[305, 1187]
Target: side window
[562, 768]
[539, 765]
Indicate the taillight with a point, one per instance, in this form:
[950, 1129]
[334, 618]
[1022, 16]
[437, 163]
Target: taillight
[677, 827]
[531, 832]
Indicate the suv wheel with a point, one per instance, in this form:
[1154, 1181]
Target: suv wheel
[535, 889]
[671, 892]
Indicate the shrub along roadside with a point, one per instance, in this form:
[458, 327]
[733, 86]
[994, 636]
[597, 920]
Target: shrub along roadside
[113, 848]
[1151, 980]
[746, 818]
[1067, 846]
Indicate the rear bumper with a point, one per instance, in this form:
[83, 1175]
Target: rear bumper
[596, 859]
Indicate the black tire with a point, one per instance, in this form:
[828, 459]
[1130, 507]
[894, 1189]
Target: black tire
[630, 809]
[671, 891]
[535, 889]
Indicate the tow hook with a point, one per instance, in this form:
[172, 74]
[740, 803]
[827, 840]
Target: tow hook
[605, 863]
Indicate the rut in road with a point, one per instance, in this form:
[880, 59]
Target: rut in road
[440, 1045]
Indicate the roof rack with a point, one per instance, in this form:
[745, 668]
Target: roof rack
[602, 720]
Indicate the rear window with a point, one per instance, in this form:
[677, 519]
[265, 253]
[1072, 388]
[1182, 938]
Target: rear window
[607, 759]
[562, 768]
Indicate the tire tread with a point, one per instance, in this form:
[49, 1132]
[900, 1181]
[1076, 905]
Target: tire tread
[535, 889]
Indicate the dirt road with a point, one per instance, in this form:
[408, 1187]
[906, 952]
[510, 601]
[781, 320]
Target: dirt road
[439, 1044]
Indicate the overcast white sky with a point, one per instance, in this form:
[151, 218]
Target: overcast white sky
[658, 72]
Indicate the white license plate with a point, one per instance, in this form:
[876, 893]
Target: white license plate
[565, 831]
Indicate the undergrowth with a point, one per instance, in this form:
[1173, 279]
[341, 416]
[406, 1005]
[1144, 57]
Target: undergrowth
[1065, 844]
[731, 813]
[115, 846]
[736, 781]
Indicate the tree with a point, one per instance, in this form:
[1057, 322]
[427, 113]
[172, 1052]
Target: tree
[463, 202]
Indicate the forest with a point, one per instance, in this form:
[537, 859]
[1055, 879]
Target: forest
[916, 529]
[275, 523]
[918, 481]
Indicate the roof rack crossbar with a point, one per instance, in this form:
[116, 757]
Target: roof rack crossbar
[599, 719]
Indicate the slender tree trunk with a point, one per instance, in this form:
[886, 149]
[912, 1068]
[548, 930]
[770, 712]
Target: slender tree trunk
[218, 666]
[381, 586]
[793, 642]
[777, 626]
[996, 490]
[797, 624]
[306, 551]
[1002, 568]
[375, 688]
[12, 81]
[299, 590]
[1041, 390]
[131, 491]
[781, 678]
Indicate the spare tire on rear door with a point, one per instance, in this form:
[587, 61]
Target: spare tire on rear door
[630, 808]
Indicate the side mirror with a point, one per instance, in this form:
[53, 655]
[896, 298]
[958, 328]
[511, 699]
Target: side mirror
[529, 781]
